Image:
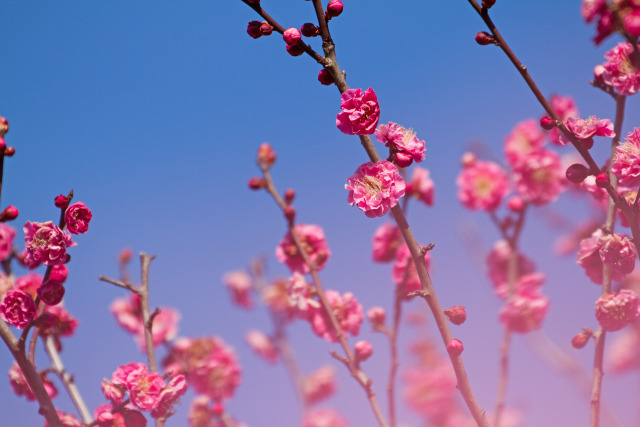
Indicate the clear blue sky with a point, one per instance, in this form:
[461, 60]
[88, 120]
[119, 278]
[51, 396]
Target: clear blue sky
[152, 112]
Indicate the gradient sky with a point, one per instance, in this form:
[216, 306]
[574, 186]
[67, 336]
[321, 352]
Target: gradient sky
[152, 113]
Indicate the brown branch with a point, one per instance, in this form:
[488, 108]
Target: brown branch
[147, 320]
[124, 285]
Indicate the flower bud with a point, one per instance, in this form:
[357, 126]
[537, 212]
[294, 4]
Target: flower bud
[456, 314]
[266, 156]
[61, 201]
[4, 126]
[547, 123]
[377, 318]
[515, 204]
[290, 213]
[292, 36]
[363, 350]
[577, 173]
[3, 144]
[9, 213]
[483, 38]
[9, 151]
[266, 29]
[598, 72]
[587, 143]
[631, 23]
[217, 409]
[295, 50]
[309, 30]
[455, 347]
[51, 292]
[59, 273]
[408, 189]
[253, 29]
[468, 159]
[580, 340]
[324, 77]
[486, 4]
[602, 180]
[289, 195]
[334, 8]
[257, 183]
[125, 256]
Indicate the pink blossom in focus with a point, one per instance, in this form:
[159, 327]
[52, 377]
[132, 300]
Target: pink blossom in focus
[20, 387]
[301, 300]
[169, 396]
[17, 308]
[404, 146]
[320, 385]
[113, 392]
[7, 234]
[29, 283]
[482, 185]
[239, 284]
[144, 387]
[585, 129]
[348, 313]
[262, 345]
[422, 185]
[539, 177]
[45, 243]
[360, 112]
[386, 240]
[614, 311]
[498, 265]
[525, 138]
[323, 418]
[626, 164]
[619, 252]
[67, 420]
[77, 217]
[524, 311]
[619, 72]
[404, 273]
[431, 392]
[375, 188]
[314, 243]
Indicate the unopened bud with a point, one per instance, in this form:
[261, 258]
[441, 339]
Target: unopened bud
[257, 183]
[377, 318]
[3, 144]
[631, 23]
[587, 143]
[324, 77]
[483, 38]
[4, 126]
[456, 314]
[598, 72]
[125, 256]
[547, 123]
[408, 189]
[289, 195]
[602, 180]
[9, 213]
[295, 50]
[515, 204]
[363, 350]
[59, 273]
[577, 173]
[9, 151]
[455, 347]
[580, 340]
[468, 159]
[51, 292]
[292, 36]
[266, 29]
[486, 4]
[309, 30]
[334, 8]
[266, 156]
[61, 201]
[217, 409]
[290, 213]
[253, 29]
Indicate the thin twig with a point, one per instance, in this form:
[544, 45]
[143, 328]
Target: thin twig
[393, 341]
[124, 285]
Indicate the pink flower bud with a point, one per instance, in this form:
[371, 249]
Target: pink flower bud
[217, 409]
[577, 173]
[468, 159]
[602, 180]
[253, 29]
[257, 183]
[334, 8]
[363, 350]
[631, 22]
[455, 347]
[324, 77]
[515, 204]
[587, 143]
[4, 127]
[377, 318]
[309, 30]
[598, 72]
[125, 256]
[547, 123]
[266, 29]
[292, 36]
[51, 292]
[61, 201]
[59, 273]
[456, 314]
[9, 151]
[9, 213]
[289, 195]
[3, 144]
[266, 155]
[580, 340]
[483, 38]
[295, 50]
[290, 213]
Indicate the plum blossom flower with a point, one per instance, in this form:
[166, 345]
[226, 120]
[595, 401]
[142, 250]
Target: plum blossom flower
[20, 386]
[126, 417]
[144, 387]
[67, 420]
[431, 392]
[404, 145]
[619, 72]
[386, 240]
[64, 324]
[262, 345]
[482, 185]
[618, 251]
[314, 243]
[301, 299]
[539, 177]
[45, 243]
[276, 297]
[77, 217]
[375, 188]
[565, 107]
[498, 264]
[404, 273]
[239, 284]
[626, 164]
[377, 317]
[169, 396]
[320, 385]
[29, 283]
[591, 8]
[525, 138]
[614, 311]
[17, 308]
[525, 311]
[7, 234]
[360, 112]
[585, 129]
[347, 311]
[590, 259]
[323, 418]
[422, 186]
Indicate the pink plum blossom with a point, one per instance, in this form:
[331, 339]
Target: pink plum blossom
[262, 345]
[128, 313]
[564, 107]
[404, 273]
[67, 420]
[614, 311]
[320, 385]
[17, 308]
[276, 297]
[539, 177]
[64, 325]
[169, 396]
[77, 217]
[363, 350]
[240, 285]
[591, 8]
[589, 258]
[431, 392]
[45, 243]
[619, 72]
[301, 300]
[498, 264]
[525, 311]
[126, 417]
[404, 146]
[422, 186]
[314, 243]
[377, 318]
[323, 418]
[482, 185]
[585, 129]
[525, 138]
[20, 386]
[7, 234]
[360, 112]
[113, 392]
[375, 188]
[386, 240]
[29, 283]
[618, 252]
[144, 387]
[626, 164]
[347, 311]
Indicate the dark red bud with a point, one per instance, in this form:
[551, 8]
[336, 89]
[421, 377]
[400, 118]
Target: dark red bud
[483, 38]
[9, 213]
[455, 347]
[253, 29]
[324, 77]
[587, 143]
[295, 50]
[486, 4]
[602, 180]
[334, 8]
[456, 314]
[266, 29]
[289, 195]
[51, 292]
[580, 340]
[577, 173]
[290, 213]
[408, 189]
[257, 183]
[9, 151]
[61, 201]
[547, 123]
[309, 30]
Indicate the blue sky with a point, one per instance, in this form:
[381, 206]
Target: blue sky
[153, 111]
